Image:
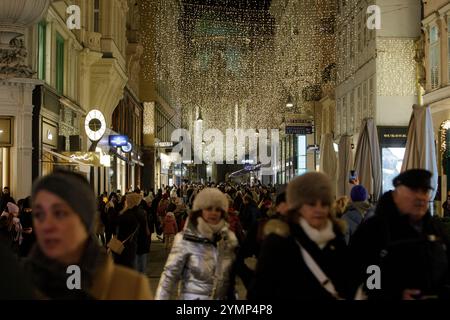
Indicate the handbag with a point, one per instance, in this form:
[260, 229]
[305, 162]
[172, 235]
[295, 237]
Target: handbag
[117, 246]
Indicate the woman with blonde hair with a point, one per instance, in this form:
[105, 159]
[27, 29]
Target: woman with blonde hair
[340, 206]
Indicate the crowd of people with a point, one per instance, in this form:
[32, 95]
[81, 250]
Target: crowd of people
[299, 242]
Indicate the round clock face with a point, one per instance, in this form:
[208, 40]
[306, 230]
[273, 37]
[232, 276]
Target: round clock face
[95, 125]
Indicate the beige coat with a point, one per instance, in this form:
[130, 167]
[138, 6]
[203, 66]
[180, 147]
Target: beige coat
[114, 282]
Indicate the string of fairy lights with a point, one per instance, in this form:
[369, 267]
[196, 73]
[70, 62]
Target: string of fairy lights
[238, 63]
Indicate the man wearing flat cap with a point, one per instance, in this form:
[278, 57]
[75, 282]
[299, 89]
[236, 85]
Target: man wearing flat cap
[408, 245]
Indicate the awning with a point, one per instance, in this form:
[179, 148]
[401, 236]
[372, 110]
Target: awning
[113, 151]
[345, 164]
[420, 148]
[328, 158]
[139, 163]
[245, 171]
[67, 159]
[368, 160]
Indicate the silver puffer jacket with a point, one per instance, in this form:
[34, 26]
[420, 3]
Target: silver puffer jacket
[202, 265]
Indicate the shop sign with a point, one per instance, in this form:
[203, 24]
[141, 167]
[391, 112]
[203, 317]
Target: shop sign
[393, 136]
[118, 140]
[49, 134]
[127, 148]
[89, 158]
[299, 124]
[95, 125]
[167, 144]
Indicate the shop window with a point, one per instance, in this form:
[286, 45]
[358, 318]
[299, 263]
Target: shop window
[301, 155]
[42, 29]
[96, 15]
[434, 57]
[59, 63]
[344, 114]
[364, 100]
[351, 113]
[448, 44]
[371, 110]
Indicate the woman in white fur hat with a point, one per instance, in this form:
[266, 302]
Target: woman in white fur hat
[202, 254]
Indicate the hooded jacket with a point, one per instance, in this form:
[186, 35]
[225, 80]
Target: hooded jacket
[354, 215]
[201, 262]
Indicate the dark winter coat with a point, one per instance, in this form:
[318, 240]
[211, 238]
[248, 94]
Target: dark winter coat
[143, 235]
[127, 225]
[409, 258]
[281, 272]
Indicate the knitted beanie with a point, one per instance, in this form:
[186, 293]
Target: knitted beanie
[74, 189]
[358, 193]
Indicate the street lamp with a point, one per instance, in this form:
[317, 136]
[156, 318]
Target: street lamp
[289, 103]
[200, 115]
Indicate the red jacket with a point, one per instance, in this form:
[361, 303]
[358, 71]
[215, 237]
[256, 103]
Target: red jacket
[170, 224]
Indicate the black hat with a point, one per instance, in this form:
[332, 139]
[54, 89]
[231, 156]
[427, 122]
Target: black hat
[416, 179]
[75, 190]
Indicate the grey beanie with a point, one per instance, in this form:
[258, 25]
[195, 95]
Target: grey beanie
[74, 189]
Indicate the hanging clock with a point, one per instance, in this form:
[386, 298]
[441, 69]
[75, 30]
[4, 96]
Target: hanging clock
[95, 125]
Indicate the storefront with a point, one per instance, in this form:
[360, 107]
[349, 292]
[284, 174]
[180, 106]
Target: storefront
[392, 146]
[6, 142]
[56, 133]
[126, 164]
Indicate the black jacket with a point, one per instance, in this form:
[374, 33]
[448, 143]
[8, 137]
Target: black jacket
[409, 258]
[128, 228]
[281, 272]
[143, 242]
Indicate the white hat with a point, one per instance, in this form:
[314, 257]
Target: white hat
[210, 198]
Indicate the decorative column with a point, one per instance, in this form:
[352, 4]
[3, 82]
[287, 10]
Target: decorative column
[16, 86]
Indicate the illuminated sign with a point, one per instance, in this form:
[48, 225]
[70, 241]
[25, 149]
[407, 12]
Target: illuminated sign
[49, 135]
[127, 148]
[118, 140]
[95, 125]
[164, 144]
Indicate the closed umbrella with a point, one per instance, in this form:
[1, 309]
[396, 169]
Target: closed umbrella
[345, 164]
[368, 160]
[328, 159]
[420, 150]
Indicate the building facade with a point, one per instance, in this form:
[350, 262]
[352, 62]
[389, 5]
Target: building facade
[305, 51]
[376, 71]
[435, 76]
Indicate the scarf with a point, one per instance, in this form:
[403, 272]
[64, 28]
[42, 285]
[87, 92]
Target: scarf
[320, 237]
[50, 277]
[208, 230]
